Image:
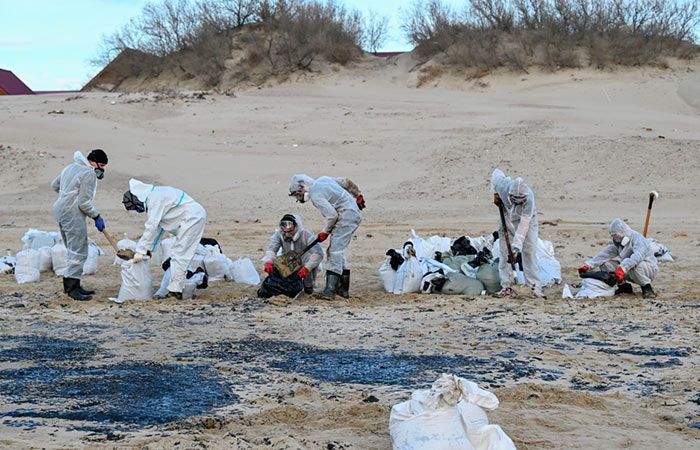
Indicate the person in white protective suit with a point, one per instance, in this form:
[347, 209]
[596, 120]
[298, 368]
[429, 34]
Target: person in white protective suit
[521, 219]
[291, 236]
[629, 256]
[339, 200]
[172, 210]
[76, 186]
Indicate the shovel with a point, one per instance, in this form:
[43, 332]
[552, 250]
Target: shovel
[125, 253]
[289, 263]
[506, 237]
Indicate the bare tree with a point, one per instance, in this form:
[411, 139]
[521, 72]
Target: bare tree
[374, 32]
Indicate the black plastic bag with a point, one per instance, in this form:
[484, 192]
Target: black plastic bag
[276, 284]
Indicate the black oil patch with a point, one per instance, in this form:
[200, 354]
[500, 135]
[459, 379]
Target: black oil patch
[130, 393]
[44, 349]
[366, 366]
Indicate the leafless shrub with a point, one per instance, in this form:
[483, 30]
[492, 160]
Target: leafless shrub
[555, 33]
[374, 32]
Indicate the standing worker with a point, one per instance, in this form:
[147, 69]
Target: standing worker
[339, 200]
[169, 209]
[518, 201]
[629, 256]
[76, 186]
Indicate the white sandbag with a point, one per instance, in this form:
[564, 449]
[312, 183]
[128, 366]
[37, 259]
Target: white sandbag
[550, 269]
[216, 264]
[244, 272]
[58, 259]
[409, 276]
[592, 288]
[36, 239]
[426, 248]
[90, 266]
[191, 284]
[27, 268]
[547, 264]
[7, 264]
[662, 253]
[387, 274]
[433, 264]
[45, 264]
[136, 281]
[448, 416]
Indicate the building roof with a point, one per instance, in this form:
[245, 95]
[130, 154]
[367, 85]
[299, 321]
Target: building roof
[11, 85]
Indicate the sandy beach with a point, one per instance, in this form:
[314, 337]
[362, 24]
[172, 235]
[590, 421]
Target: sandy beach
[241, 372]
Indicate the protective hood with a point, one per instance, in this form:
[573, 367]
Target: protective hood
[301, 181]
[497, 176]
[140, 189]
[299, 227]
[79, 158]
[618, 226]
[518, 188]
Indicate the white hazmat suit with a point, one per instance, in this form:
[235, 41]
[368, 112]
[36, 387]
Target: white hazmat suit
[172, 210]
[76, 186]
[521, 220]
[633, 253]
[298, 242]
[338, 207]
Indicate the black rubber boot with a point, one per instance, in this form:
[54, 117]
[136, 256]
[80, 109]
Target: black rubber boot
[308, 289]
[624, 288]
[344, 288]
[648, 292]
[332, 282]
[85, 291]
[71, 286]
[177, 295]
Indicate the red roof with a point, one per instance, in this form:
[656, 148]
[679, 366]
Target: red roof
[11, 85]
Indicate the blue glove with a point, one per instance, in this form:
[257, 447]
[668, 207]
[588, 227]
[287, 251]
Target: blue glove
[99, 223]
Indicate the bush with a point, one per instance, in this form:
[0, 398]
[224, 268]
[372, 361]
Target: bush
[554, 33]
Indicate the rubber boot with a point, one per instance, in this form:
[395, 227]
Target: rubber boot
[71, 286]
[648, 292]
[309, 286]
[85, 291]
[624, 288]
[332, 282]
[344, 288]
[176, 295]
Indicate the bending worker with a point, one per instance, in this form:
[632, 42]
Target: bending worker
[629, 256]
[291, 236]
[339, 200]
[169, 209]
[518, 201]
[76, 186]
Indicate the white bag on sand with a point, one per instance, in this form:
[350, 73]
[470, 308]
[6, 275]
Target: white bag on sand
[191, 284]
[136, 281]
[27, 268]
[45, 264]
[426, 248]
[408, 276]
[387, 274]
[90, 266]
[448, 416]
[244, 272]
[58, 259]
[549, 267]
[216, 264]
[37, 239]
[592, 288]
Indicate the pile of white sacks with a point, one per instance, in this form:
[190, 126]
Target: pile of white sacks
[420, 267]
[43, 251]
[137, 282]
